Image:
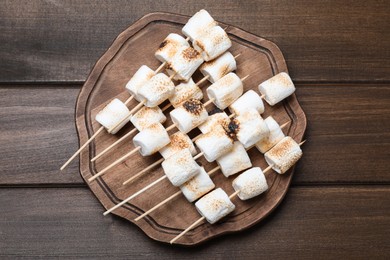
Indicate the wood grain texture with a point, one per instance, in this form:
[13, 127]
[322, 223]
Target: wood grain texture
[312, 222]
[321, 40]
[259, 58]
[345, 124]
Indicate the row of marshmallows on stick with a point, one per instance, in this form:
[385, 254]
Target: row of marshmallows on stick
[181, 60]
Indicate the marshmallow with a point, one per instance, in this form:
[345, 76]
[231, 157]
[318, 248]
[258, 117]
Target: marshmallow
[226, 90]
[250, 183]
[180, 167]
[197, 24]
[234, 161]
[283, 155]
[151, 139]
[220, 118]
[185, 62]
[169, 47]
[214, 205]
[189, 115]
[143, 74]
[113, 113]
[185, 91]
[215, 143]
[277, 88]
[158, 89]
[197, 186]
[179, 141]
[219, 67]
[212, 43]
[147, 116]
[248, 100]
[275, 135]
[249, 127]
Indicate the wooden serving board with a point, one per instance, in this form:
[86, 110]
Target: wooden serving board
[259, 58]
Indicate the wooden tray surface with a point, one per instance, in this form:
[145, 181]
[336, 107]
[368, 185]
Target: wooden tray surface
[259, 58]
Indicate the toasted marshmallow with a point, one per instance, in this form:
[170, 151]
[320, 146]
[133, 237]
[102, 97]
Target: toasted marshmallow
[249, 127]
[151, 139]
[189, 115]
[250, 183]
[197, 24]
[158, 89]
[186, 61]
[219, 67]
[277, 88]
[184, 91]
[214, 205]
[283, 155]
[113, 113]
[179, 141]
[214, 144]
[248, 100]
[214, 120]
[212, 43]
[234, 161]
[147, 116]
[143, 74]
[197, 186]
[170, 46]
[226, 90]
[275, 135]
[180, 167]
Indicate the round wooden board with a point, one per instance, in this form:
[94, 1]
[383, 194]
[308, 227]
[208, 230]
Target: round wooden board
[259, 58]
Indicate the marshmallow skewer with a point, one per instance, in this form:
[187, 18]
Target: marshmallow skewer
[142, 190]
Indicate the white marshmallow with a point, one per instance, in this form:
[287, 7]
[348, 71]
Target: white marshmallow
[197, 24]
[234, 161]
[197, 186]
[158, 89]
[180, 167]
[215, 119]
[219, 67]
[186, 61]
[226, 90]
[184, 91]
[215, 143]
[143, 74]
[249, 100]
[147, 116]
[249, 127]
[250, 183]
[212, 43]
[214, 205]
[113, 113]
[151, 139]
[275, 135]
[169, 47]
[189, 115]
[179, 141]
[283, 155]
[277, 88]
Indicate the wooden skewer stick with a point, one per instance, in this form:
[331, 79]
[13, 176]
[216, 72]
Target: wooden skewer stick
[131, 112]
[160, 67]
[135, 195]
[156, 163]
[82, 147]
[197, 222]
[114, 144]
[123, 158]
[129, 99]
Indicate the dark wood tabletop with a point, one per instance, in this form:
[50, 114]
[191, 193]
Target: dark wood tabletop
[338, 55]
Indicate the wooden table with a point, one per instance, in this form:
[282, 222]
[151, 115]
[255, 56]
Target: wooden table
[338, 55]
